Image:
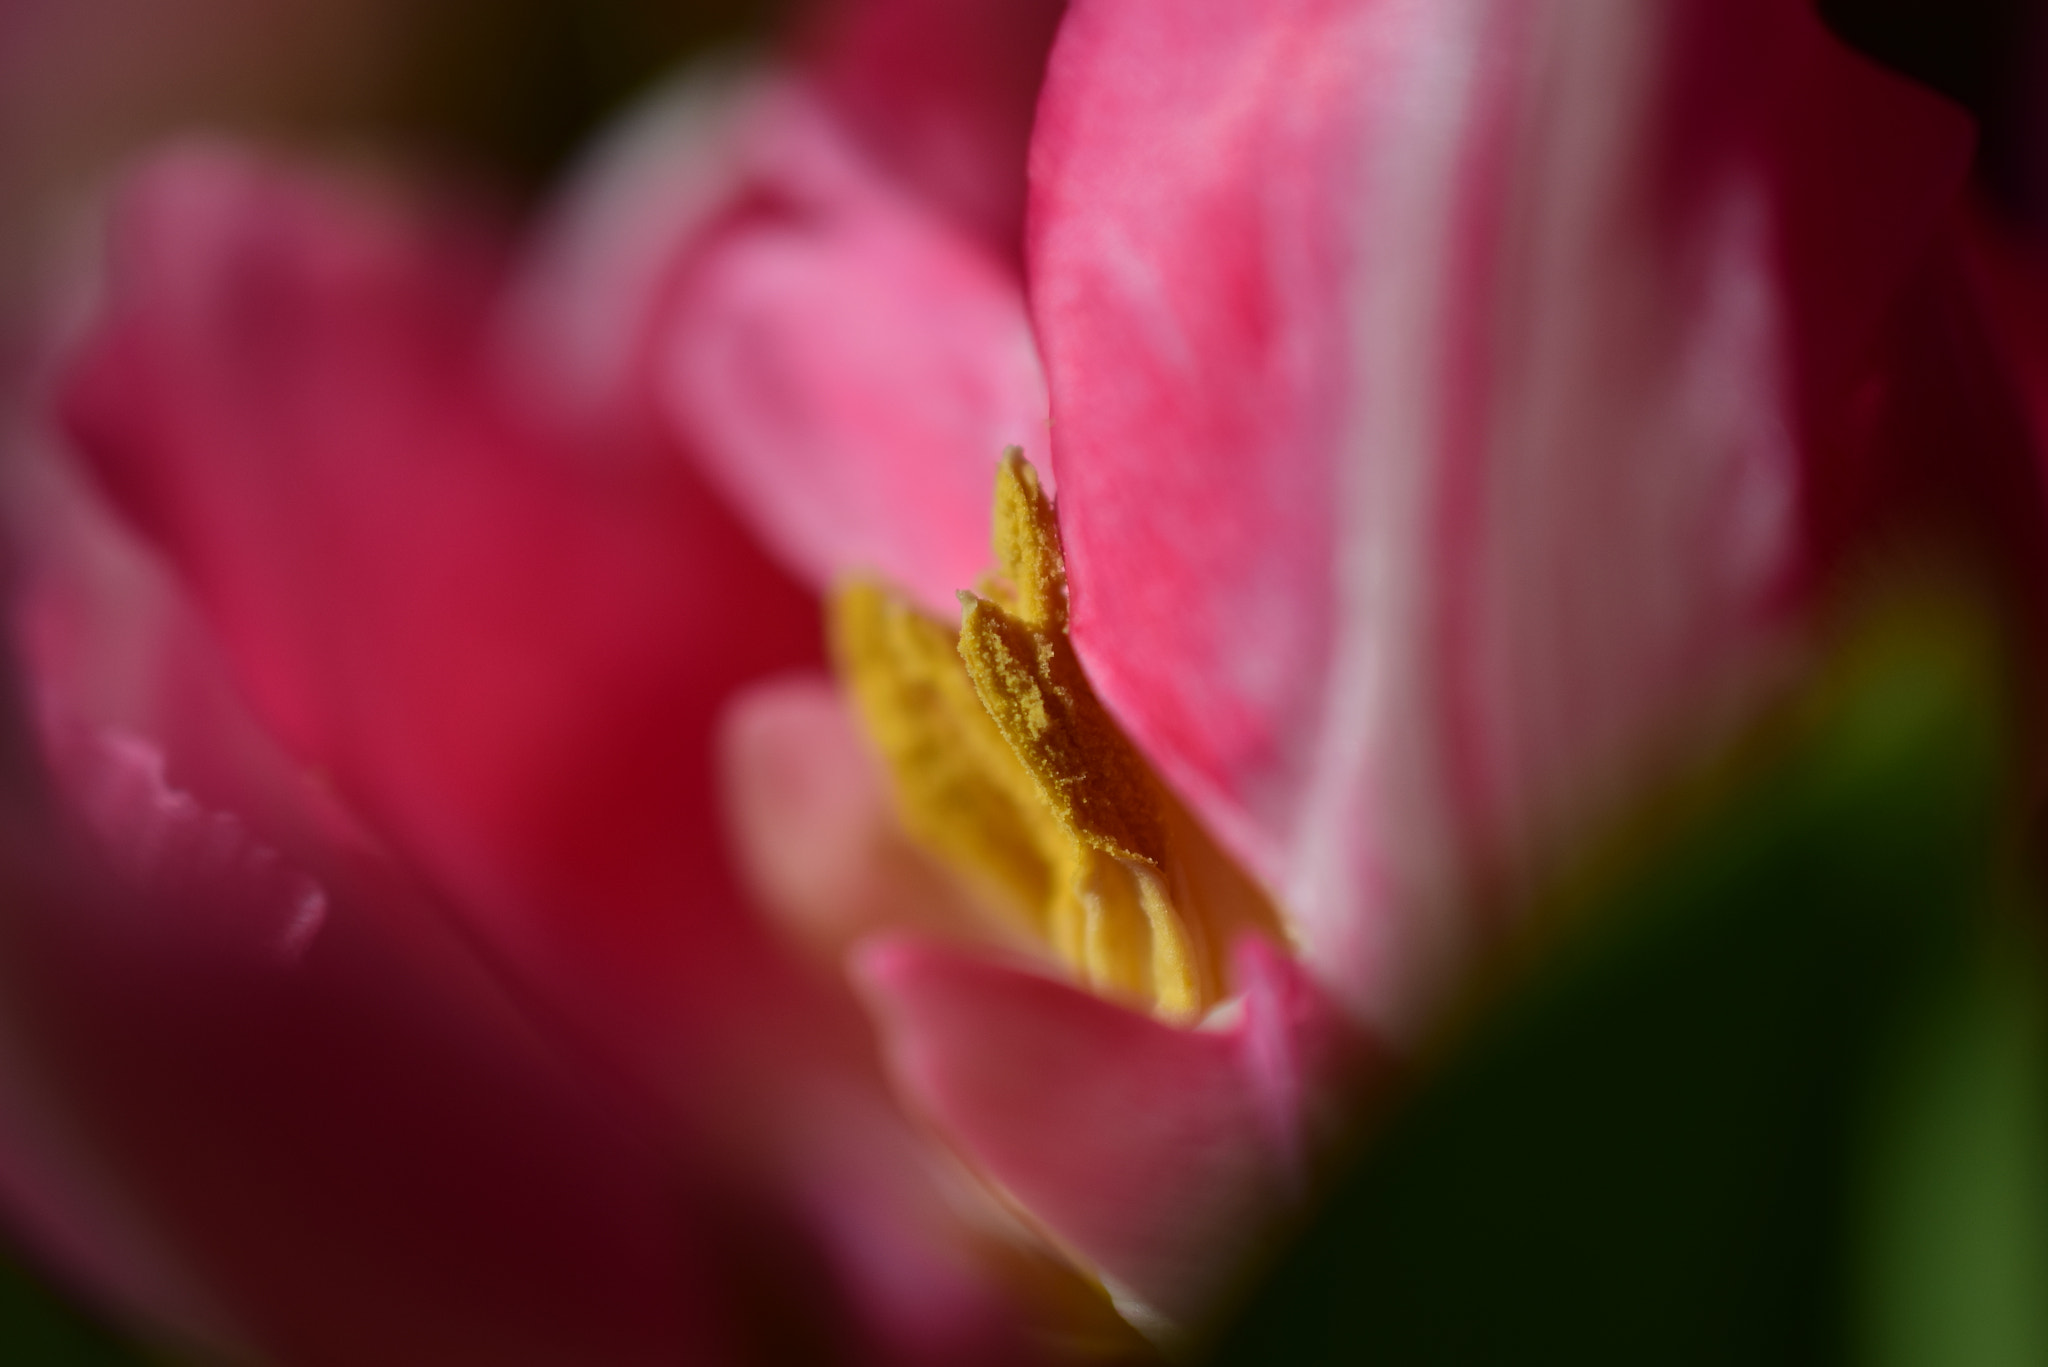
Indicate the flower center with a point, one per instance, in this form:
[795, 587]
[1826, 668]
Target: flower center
[1009, 771]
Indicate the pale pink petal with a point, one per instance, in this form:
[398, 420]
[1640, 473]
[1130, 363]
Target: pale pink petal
[817, 839]
[1155, 1153]
[841, 356]
[1433, 386]
[848, 366]
[941, 93]
[596, 279]
[932, 97]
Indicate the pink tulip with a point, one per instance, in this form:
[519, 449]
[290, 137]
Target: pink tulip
[1447, 402]
[381, 986]
[1450, 409]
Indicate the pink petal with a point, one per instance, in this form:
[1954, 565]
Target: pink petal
[498, 657]
[844, 359]
[1433, 387]
[1157, 1154]
[218, 919]
[366, 1157]
[296, 1114]
[849, 366]
[193, 862]
[508, 657]
[816, 836]
[344, 1147]
[594, 285]
[112, 648]
[942, 94]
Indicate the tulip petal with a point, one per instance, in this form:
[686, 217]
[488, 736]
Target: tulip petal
[191, 861]
[596, 278]
[813, 829]
[844, 360]
[500, 656]
[366, 1156]
[508, 660]
[219, 920]
[848, 365]
[942, 94]
[297, 1115]
[935, 96]
[1432, 386]
[1154, 1153]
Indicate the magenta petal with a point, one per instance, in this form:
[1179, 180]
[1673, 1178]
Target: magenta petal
[295, 1114]
[191, 861]
[498, 653]
[849, 366]
[365, 1156]
[1433, 387]
[497, 648]
[1154, 1153]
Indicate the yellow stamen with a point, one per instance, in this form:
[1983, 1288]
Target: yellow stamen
[1007, 767]
[959, 791]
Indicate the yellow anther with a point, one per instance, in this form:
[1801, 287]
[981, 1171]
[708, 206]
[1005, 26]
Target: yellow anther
[1008, 768]
[1086, 773]
[959, 790]
[1027, 546]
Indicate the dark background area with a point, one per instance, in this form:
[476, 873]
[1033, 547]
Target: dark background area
[520, 84]
[513, 87]
[506, 90]
[1989, 55]
[516, 85]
